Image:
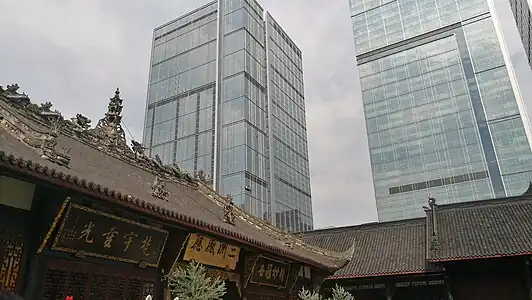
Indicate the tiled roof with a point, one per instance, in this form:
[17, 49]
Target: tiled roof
[483, 229]
[102, 174]
[390, 248]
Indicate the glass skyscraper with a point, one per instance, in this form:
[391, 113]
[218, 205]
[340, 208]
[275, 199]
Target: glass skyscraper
[444, 113]
[226, 96]
[521, 12]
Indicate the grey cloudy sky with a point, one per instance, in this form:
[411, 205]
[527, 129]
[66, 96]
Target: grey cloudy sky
[75, 53]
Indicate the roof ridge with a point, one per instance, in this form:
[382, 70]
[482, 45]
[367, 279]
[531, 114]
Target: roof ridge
[107, 136]
[275, 232]
[366, 226]
[477, 204]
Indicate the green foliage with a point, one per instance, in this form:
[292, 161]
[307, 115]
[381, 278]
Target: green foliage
[305, 294]
[192, 283]
[339, 293]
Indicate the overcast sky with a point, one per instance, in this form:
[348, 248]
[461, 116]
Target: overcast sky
[75, 53]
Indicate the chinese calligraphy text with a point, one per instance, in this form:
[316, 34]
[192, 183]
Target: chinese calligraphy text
[107, 236]
[211, 252]
[270, 272]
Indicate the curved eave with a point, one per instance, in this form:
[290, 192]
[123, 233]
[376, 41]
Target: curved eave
[28, 167]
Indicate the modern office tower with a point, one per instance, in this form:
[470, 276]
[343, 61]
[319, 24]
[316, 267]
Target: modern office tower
[521, 12]
[226, 97]
[444, 113]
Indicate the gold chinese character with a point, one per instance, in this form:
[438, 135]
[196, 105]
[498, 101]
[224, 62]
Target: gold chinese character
[261, 271]
[281, 274]
[269, 271]
[222, 249]
[85, 233]
[128, 239]
[210, 247]
[109, 237]
[275, 272]
[145, 245]
[197, 243]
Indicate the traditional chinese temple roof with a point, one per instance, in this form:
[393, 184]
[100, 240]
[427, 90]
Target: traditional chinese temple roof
[380, 248]
[468, 230]
[38, 141]
[482, 229]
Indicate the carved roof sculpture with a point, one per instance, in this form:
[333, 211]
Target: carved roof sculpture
[40, 142]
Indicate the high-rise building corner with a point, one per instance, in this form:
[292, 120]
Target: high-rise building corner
[226, 97]
[444, 110]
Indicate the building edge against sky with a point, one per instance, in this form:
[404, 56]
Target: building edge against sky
[226, 96]
[521, 12]
[443, 101]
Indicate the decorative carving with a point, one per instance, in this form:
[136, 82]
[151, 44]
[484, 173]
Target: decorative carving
[435, 245]
[13, 97]
[109, 131]
[12, 89]
[11, 249]
[138, 149]
[108, 135]
[80, 123]
[54, 224]
[158, 189]
[49, 142]
[77, 281]
[229, 214]
[200, 175]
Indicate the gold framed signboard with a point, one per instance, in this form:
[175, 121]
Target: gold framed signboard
[103, 235]
[211, 252]
[270, 272]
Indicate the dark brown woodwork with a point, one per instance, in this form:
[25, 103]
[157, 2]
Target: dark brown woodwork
[86, 281]
[11, 254]
[496, 289]
[255, 292]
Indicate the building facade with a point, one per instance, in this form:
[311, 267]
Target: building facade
[226, 97]
[521, 12]
[444, 115]
[436, 256]
[72, 226]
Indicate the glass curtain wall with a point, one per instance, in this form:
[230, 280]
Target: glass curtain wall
[180, 116]
[208, 108]
[243, 143]
[289, 148]
[442, 117]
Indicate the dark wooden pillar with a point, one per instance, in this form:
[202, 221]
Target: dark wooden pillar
[528, 279]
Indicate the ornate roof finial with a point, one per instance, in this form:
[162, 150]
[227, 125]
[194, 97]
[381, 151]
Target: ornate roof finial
[114, 109]
[109, 129]
[434, 243]
[229, 214]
